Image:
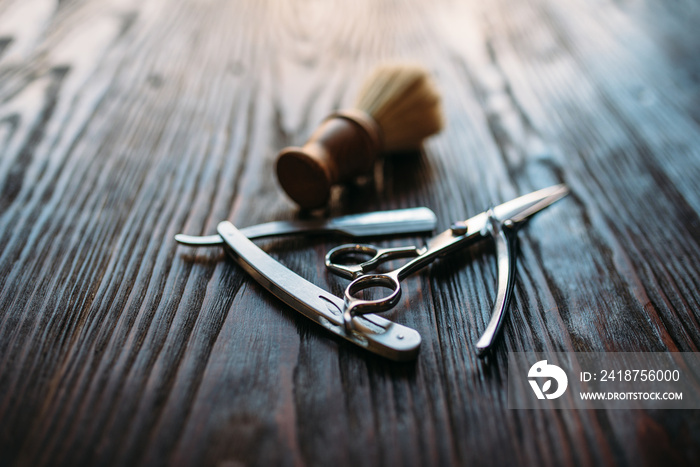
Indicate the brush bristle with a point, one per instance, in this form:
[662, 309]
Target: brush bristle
[404, 102]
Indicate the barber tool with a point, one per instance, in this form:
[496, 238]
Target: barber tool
[353, 318]
[371, 332]
[499, 223]
[396, 109]
[399, 221]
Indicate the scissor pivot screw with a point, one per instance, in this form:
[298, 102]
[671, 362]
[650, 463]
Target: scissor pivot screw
[459, 228]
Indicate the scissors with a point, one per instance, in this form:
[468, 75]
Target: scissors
[499, 223]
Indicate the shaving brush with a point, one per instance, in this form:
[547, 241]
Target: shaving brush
[397, 107]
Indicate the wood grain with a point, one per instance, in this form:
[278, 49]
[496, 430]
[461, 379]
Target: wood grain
[125, 122]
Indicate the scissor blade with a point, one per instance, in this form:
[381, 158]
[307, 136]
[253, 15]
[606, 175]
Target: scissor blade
[519, 209]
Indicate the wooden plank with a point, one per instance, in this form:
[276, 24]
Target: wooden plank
[123, 123]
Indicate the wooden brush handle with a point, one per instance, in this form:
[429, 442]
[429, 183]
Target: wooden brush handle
[343, 147]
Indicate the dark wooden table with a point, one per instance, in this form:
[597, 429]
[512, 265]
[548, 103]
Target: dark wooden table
[123, 123]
